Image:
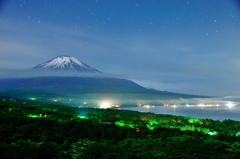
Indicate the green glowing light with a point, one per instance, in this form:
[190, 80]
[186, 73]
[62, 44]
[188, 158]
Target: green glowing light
[120, 123]
[82, 117]
[213, 133]
[238, 134]
[194, 120]
[124, 123]
[84, 102]
[4, 99]
[150, 128]
[33, 116]
[32, 98]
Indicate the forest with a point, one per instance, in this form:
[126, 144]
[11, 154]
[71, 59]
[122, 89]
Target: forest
[32, 129]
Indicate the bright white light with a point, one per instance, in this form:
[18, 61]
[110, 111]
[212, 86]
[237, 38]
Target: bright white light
[230, 104]
[147, 106]
[105, 105]
[187, 105]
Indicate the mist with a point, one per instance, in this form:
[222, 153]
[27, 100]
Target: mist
[104, 100]
[30, 73]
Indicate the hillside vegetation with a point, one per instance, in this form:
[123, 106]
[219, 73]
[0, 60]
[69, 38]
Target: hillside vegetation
[30, 129]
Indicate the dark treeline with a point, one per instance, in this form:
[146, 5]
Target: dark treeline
[34, 130]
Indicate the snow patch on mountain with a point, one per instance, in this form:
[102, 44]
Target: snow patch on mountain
[66, 63]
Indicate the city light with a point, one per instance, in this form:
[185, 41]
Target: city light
[105, 105]
[200, 105]
[230, 104]
[147, 106]
[116, 106]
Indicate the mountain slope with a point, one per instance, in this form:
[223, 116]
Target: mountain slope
[66, 63]
[72, 85]
[81, 85]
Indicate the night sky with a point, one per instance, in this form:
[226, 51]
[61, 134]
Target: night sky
[180, 46]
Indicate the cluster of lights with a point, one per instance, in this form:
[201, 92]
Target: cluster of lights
[192, 105]
[146, 106]
[206, 105]
[116, 106]
[37, 116]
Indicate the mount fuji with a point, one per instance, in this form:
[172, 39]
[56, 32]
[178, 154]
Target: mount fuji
[77, 80]
[66, 63]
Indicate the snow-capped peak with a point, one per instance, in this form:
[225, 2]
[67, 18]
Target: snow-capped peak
[66, 63]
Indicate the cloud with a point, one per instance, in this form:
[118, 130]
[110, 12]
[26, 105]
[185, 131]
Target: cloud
[46, 41]
[148, 44]
[16, 54]
[196, 69]
[235, 62]
[28, 73]
[13, 48]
